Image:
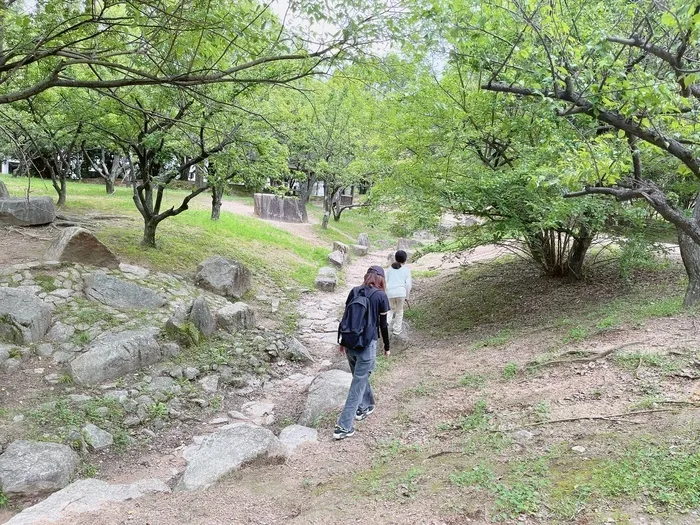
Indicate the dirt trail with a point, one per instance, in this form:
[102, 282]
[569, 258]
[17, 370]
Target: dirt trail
[303, 230]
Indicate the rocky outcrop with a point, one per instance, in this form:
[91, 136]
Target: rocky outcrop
[327, 279]
[116, 293]
[4, 194]
[235, 317]
[227, 450]
[114, 355]
[190, 322]
[337, 259]
[32, 211]
[294, 436]
[97, 438]
[86, 495]
[78, 245]
[363, 240]
[326, 394]
[223, 276]
[341, 247]
[24, 318]
[275, 208]
[34, 467]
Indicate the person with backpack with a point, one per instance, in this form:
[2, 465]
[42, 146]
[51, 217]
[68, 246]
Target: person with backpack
[398, 288]
[365, 316]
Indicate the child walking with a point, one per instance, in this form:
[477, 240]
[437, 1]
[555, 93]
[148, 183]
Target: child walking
[365, 316]
[398, 289]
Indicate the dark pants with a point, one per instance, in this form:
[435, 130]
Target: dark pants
[360, 395]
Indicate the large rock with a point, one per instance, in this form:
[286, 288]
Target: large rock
[97, 438]
[296, 351]
[275, 208]
[24, 318]
[223, 276]
[341, 247]
[190, 322]
[33, 211]
[86, 495]
[116, 293]
[228, 450]
[337, 259]
[360, 250]
[295, 435]
[326, 394]
[327, 279]
[363, 240]
[114, 355]
[235, 317]
[4, 194]
[78, 245]
[35, 467]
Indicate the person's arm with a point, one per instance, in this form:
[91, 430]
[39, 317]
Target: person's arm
[409, 283]
[384, 329]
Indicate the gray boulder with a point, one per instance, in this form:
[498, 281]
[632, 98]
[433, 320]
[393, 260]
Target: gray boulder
[235, 317]
[32, 211]
[363, 240]
[86, 495]
[24, 318]
[296, 351]
[97, 438]
[359, 250]
[295, 435]
[78, 245]
[223, 276]
[60, 333]
[190, 322]
[275, 208]
[114, 355]
[34, 467]
[110, 291]
[4, 194]
[337, 259]
[227, 450]
[326, 280]
[327, 394]
[341, 247]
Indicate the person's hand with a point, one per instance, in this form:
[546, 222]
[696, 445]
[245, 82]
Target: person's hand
[341, 349]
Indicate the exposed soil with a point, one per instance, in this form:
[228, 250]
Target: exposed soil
[22, 245]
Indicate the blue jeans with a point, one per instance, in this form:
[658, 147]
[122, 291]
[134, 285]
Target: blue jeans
[362, 363]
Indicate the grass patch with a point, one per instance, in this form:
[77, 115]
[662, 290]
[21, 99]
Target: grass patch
[474, 381]
[476, 420]
[419, 274]
[510, 371]
[502, 338]
[47, 283]
[352, 223]
[577, 334]
[635, 360]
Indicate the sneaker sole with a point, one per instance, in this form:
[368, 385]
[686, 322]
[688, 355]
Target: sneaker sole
[364, 416]
[343, 436]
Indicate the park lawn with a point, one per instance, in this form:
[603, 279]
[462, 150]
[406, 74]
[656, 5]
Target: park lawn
[187, 239]
[352, 223]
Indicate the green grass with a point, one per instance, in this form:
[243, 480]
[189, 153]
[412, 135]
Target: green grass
[3, 500]
[510, 371]
[475, 381]
[187, 239]
[502, 338]
[418, 274]
[478, 419]
[47, 283]
[352, 223]
[635, 360]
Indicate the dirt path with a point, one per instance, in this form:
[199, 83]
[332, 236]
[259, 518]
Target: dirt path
[304, 230]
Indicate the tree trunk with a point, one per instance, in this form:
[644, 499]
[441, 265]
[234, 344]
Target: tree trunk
[109, 184]
[578, 253]
[324, 223]
[690, 253]
[216, 194]
[149, 233]
[61, 190]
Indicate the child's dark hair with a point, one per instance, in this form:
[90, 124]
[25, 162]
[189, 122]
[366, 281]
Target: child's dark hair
[401, 258]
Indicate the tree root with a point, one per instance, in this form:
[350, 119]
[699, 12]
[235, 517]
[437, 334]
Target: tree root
[611, 417]
[590, 359]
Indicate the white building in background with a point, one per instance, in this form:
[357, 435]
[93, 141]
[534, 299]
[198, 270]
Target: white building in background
[9, 166]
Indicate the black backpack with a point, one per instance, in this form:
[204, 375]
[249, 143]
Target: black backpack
[355, 321]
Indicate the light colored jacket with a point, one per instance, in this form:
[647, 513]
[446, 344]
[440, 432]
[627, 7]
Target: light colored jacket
[398, 282]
